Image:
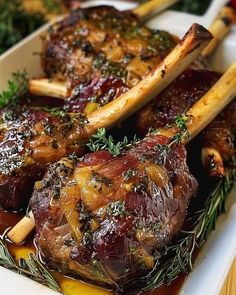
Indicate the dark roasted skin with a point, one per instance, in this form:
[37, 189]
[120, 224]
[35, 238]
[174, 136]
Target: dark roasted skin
[220, 135]
[224, 129]
[52, 143]
[106, 219]
[175, 100]
[29, 140]
[100, 42]
[101, 50]
[97, 93]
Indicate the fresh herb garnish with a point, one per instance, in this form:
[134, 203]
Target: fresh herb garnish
[116, 208]
[52, 5]
[100, 141]
[192, 6]
[16, 23]
[178, 257]
[30, 267]
[109, 68]
[165, 149]
[16, 88]
[54, 111]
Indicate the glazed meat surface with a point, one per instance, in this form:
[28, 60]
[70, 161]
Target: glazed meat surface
[175, 100]
[32, 139]
[29, 140]
[106, 219]
[100, 42]
[100, 91]
[220, 134]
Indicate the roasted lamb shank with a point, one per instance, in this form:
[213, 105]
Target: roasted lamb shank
[98, 89]
[51, 137]
[30, 139]
[106, 218]
[109, 216]
[100, 42]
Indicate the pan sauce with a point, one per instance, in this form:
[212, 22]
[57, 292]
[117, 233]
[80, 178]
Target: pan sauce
[69, 286]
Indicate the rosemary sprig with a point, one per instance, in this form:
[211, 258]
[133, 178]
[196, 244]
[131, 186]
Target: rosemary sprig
[16, 88]
[100, 141]
[30, 267]
[180, 254]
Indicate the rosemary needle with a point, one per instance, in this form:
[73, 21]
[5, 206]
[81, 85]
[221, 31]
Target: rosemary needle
[30, 267]
[179, 256]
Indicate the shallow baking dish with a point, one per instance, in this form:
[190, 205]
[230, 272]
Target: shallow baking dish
[217, 255]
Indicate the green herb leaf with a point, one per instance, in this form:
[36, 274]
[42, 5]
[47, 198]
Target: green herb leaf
[52, 5]
[100, 141]
[30, 267]
[165, 149]
[16, 88]
[178, 257]
[192, 6]
[16, 23]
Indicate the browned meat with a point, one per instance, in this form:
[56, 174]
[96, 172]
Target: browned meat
[47, 148]
[106, 218]
[220, 135]
[100, 42]
[29, 140]
[175, 100]
[89, 97]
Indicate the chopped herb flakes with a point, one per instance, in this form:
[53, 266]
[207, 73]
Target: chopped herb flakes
[165, 149]
[116, 209]
[109, 68]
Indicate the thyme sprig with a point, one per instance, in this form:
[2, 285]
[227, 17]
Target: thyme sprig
[183, 133]
[100, 141]
[16, 88]
[30, 267]
[54, 111]
[180, 254]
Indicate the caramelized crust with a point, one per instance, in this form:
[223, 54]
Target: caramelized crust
[175, 100]
[100, 42]
[218, 138]
[106, 218]
[220, 134]
[29, 140]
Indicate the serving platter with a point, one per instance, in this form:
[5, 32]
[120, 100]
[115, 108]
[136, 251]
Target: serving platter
[215, 258]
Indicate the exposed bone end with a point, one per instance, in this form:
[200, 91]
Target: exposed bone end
[212, 162]
[119, 109]
[171, 67]
[46, 87]
[22, 229]
[220, 28]
[198, 34]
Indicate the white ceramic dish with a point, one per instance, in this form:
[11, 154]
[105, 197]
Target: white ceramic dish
[217, 255]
